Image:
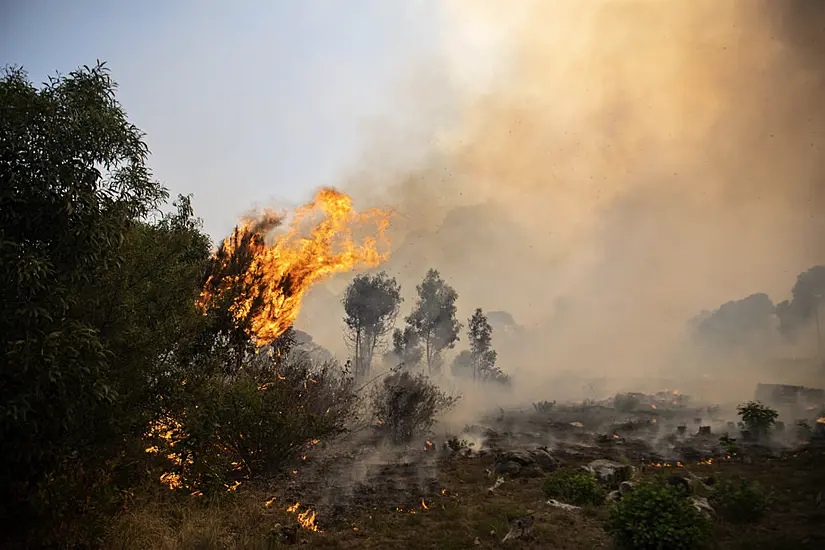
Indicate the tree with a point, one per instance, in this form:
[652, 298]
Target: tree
[75, 192]
[371, 305]
[737, 324]
[480, 335]
[406, 346]
[806, 298]
[433, 318]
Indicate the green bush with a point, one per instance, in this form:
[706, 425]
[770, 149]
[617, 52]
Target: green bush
[757, 417]
[657, 517]
[573, 487]
[253, 423]
[740, 500]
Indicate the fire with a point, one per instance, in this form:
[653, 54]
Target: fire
[820, 420]
[424, 505]
[265, 283]
[270, 502]
[428, 445]
[306, 519]
[653, 406]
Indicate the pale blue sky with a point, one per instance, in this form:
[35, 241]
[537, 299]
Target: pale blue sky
[245, 102]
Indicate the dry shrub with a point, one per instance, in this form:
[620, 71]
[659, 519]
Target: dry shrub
[405, 406]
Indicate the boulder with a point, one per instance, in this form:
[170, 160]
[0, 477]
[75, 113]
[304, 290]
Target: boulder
[545, 460]
[610, 473]
[702, 504]
[626, 487]
[525, 463]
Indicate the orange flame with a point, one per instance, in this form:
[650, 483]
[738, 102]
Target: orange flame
[820, 420]
[306, 519]
[278, 275]
[424, 505]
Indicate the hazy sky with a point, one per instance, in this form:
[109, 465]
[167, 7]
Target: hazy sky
[244, 103]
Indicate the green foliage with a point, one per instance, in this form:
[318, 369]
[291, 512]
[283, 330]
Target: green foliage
[757, 417]
[573, 487]
[740, 500]
[74, 196]
[405, 406]
[255, 422]
[433, 318]
[729, 444]
[371, 305]
[655, 517]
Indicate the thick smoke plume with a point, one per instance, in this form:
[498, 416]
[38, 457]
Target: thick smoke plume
[609, 168]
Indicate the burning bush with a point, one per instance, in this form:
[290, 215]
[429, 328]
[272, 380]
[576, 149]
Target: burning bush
[757, 418]
[254, 422]
[405, 406]
[655, 516]
[573, 487]
[740, 501]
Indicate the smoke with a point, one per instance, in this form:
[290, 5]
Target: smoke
[603, 170]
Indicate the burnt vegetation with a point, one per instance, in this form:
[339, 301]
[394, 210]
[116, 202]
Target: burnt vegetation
[139, 410]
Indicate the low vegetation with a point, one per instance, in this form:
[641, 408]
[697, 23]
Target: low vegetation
[655, 516]
[575, 487]
[405, 406]
[757, 418]
[740, 500]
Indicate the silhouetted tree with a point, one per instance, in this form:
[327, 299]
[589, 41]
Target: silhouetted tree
[406, 347]
[737, 323]
[433, 318]
[480, 335]
[803, 308]
[371, 305]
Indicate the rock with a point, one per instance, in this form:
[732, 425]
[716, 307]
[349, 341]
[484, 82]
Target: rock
[525, 463]
[520, 528]
[521, 457]
[495, 486]
[531, 470]
[564, 506]
[626, 487]
[510, 467]
[545, 460]
[610, 473]
[702, 504]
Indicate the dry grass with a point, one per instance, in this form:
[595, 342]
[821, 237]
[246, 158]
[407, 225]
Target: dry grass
[462, 514]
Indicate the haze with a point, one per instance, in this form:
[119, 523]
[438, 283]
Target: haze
[602, 170]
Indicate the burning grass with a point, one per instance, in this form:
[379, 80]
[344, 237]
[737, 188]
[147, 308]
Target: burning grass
[460, 511]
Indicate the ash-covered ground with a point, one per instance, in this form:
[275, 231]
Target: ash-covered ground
[351, 482]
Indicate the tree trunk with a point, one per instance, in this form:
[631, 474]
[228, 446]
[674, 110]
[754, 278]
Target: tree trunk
[357, 353]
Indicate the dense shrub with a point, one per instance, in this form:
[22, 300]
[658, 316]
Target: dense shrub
[757, 417]
[657, 517]
[740, 500]
[255, 422]
[573, 487]
[405, 406]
